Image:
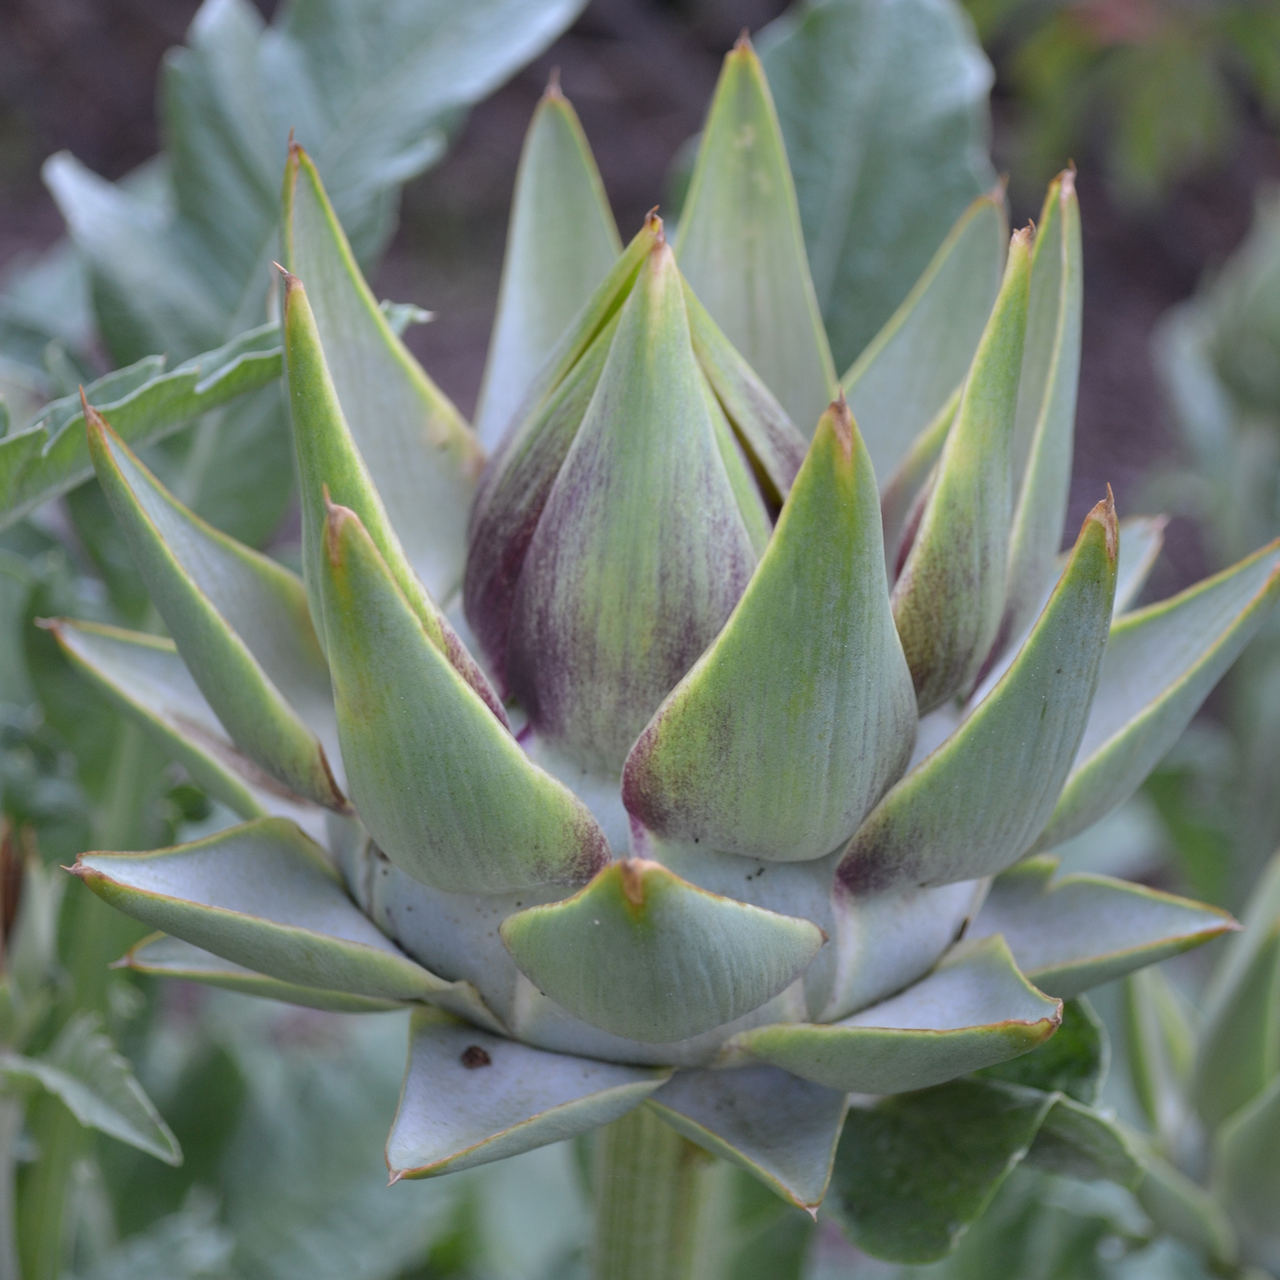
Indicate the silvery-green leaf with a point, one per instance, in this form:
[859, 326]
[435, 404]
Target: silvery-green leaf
[1080, 931]
[330, 466]
[1014, 751]
[470, 1098]
[1159, 666]
[1046, 416]
[447, 792]
[772, 439]
[904, 495]
[239, 618]
[641, 551]
[913, 1172]
[1159, 1050]
[146, 678]
[1073, 1061]
[1240, 1035]
[50, 455]
[419, 451]
[910, 369]
[741, 246]
[974, 1010]
[561, 242]
[1246, 1173]
[641, 953]
[83, 1069]
[263, 896]
[513, 492]
[784, 769]
[1184, 1209]
[949, 597]
[1078, 1142]
[884, 111]
[1141, 541]
[779, 1128]
[164, 957]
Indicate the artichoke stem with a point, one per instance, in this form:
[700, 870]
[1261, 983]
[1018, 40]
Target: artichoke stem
[10, 1129]
[653, 1203]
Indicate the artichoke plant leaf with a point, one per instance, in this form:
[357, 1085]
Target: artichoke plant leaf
[469, 1098]
[1044, 427]
[884, 111]
[263, 896]
[974, 1010]
[899, 384]
[1078, 1142]
[1141, 541]
[912, 1172]
[1015, 749]
[146, 678]
[161, 956]
[741, 246]
[641, 953]
[84, 1071]
[787, 768]
[1246, 1172]
[1239, 1047]
[561, 242]
[1159, 1045]
[1082, 930]
[1160, 664]
[778, 1128]
[482, 818]
[949, 597]
[1184, 1209]
[50, 455]
[239, 618]
[1073, 1061]
[420, 453]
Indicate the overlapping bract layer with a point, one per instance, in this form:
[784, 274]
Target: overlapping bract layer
[770, 859]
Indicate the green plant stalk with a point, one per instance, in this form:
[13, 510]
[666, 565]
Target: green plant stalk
[653, 1203]
[10, 1127]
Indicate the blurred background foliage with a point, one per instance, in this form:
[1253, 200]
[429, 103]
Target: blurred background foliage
[1170, 110]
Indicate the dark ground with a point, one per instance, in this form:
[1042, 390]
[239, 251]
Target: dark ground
[80, 74]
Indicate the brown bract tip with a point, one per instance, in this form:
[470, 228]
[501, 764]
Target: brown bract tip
[395, 1177]
[1105, 514]
[1024, 235]
[632, 873]
[290, 280]
[842, 423]
[654, 223]
[335, 516]
[1000, 192]
[49, 624]
[1067, 181]
[743, 41]
[552, 92]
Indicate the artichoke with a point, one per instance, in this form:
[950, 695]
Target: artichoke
[664, 759]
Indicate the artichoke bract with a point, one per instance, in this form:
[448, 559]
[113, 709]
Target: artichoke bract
[681, 754]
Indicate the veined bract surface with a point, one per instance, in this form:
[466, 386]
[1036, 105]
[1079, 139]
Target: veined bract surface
[683, 753]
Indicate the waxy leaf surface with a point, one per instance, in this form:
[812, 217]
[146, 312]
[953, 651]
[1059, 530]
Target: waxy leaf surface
[642, 953]
[1078, 1142]
[470, 1098]
[1014, 751]
[443, 787]
[785, 768]
[1247, 1173]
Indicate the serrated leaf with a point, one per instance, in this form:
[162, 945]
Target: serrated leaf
[1239, 1050]
[784, 770]
[561, 242]
[884, 112]
[1015, 749]
[161, 956]
[912, 1173]
[239, 618]
[482, 818]
[51, 455]
[780, 1129]
[974, 1010]
[614, 953]
[1078, 1142]
[470, 1098]
[262, 895]
[146, 678]
[641, 551]
[83, 1070]
[1080, 931]
[1246, 1173]
[949, 597]
[910, 369]
[420, 453]
[741, 246]
[1073, 1061]
[1159, 666]
[330, 467]
[1046, 417]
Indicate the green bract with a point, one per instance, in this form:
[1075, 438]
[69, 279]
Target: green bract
[657, 761]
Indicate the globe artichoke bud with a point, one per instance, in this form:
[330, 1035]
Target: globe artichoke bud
[721, 815]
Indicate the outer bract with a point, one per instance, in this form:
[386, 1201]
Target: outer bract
[660, 824]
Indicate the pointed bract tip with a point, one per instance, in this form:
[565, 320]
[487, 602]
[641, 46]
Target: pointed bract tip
[336, 515]
[1067, 181]
[743, 42]
[1024, 236]
[812, 1211]
[553, 92]
[1000, 191]
[1104, 513]
[632, 873]
[396, 1176]
[49, 624]
[291, 282]
[841, 423]
[654, 224]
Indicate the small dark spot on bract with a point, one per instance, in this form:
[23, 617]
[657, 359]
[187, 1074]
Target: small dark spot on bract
[474, 1056]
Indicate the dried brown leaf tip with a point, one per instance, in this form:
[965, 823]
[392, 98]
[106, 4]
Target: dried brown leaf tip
[473, 1056]
[1104, 513]
[743, 41]
[553, 93]
[335, 517]
[654, 223]
[842, 424]
[632, 872]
